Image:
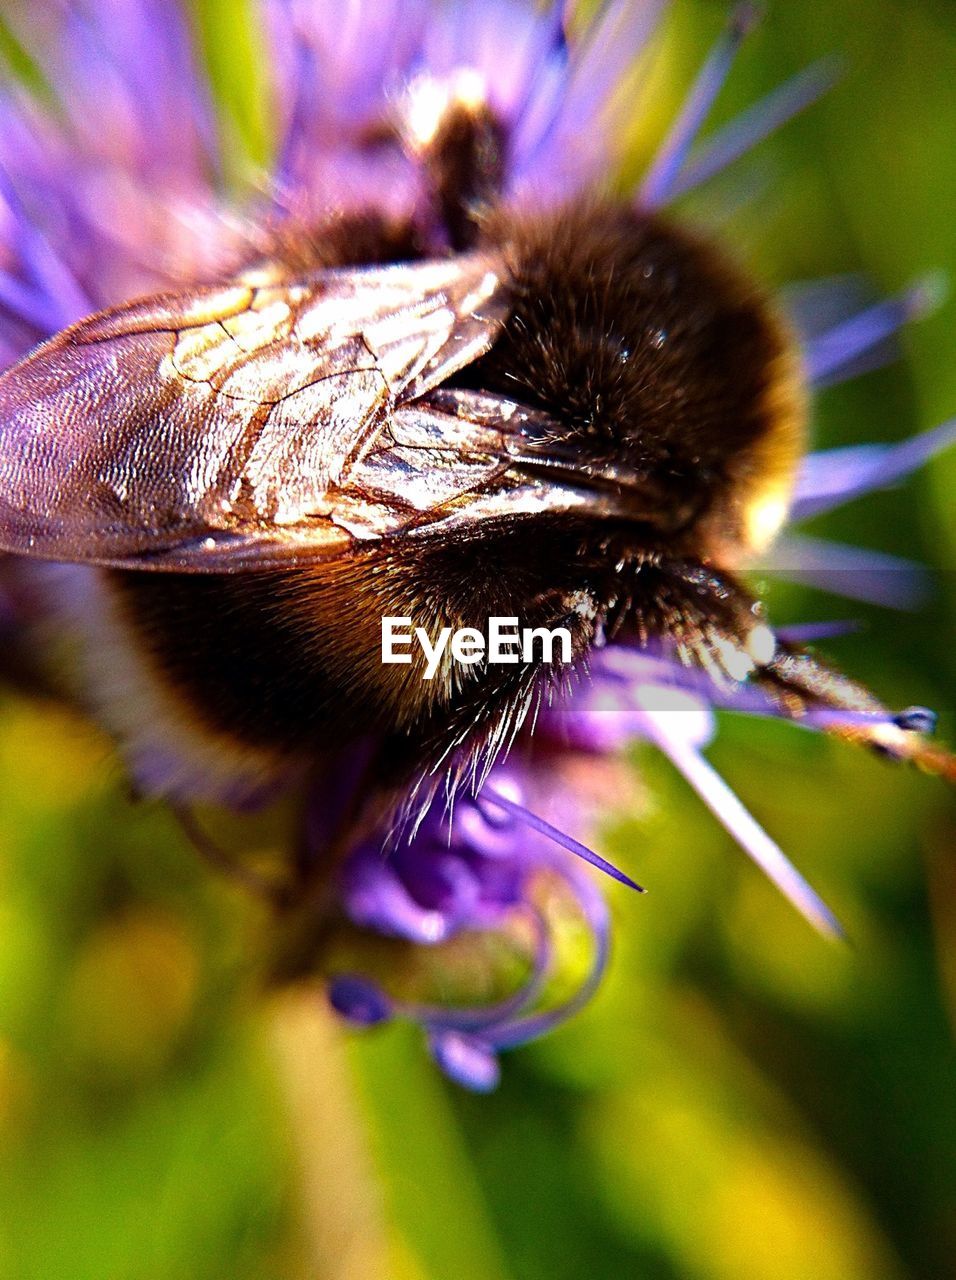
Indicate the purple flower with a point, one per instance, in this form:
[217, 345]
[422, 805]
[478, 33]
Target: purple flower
[487, 868]
[91, 216]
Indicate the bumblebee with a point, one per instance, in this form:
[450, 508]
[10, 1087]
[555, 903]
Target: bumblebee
[586, 418]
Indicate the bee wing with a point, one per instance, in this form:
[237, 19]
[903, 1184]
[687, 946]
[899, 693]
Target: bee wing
[215, 428]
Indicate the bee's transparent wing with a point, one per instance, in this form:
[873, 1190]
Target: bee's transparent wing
[218, 428]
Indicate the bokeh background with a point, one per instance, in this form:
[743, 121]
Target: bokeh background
[743, 1101]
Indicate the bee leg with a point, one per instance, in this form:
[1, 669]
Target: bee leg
[804, 685]
[706, 618]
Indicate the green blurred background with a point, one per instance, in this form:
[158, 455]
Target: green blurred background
[743, 1101]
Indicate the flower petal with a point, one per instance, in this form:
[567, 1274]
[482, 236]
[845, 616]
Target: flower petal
[860, 342]
[831, 477]
[757, 123]
[731, 813]
[466, 1060]
[853, 572]
[570, 145]
[666, 166]
[489, 796]
[359, 1001]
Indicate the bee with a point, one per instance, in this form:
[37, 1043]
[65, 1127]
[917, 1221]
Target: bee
[587, 418]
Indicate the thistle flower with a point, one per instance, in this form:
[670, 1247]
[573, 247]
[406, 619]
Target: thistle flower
[90, 217]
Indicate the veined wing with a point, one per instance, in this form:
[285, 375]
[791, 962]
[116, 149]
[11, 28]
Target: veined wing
[211, 429]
